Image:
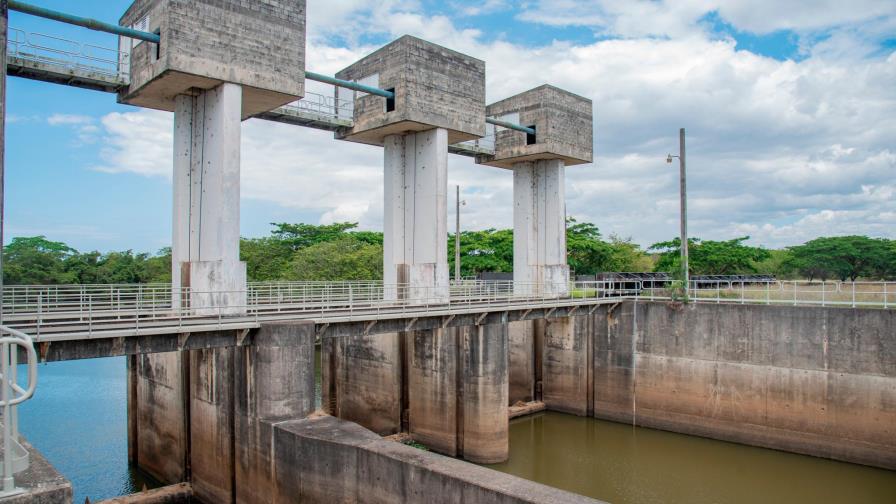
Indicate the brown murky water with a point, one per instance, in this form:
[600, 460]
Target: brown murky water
[621, 464]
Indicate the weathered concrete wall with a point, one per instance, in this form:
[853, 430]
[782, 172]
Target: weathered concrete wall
[157, 415]
[211, 424]
[435, 87]
[563, 128]
[485, 436]
[566, 372]
[329, 460]
[207, 42]
[206, 415]
[521, 358]
[274, 381]
[181, 493]
[433, 367]
[361, 380]
[819, 381]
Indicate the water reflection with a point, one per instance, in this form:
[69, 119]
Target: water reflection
[621, 464]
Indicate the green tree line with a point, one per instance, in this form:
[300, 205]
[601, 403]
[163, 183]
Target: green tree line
[341, 252]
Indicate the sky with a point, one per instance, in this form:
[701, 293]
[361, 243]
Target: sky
[789, 107]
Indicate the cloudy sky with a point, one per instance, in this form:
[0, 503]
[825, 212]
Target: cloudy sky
[790, 110]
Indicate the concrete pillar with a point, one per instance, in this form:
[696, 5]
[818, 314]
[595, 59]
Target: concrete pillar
[361, 380]
[274, 382]
[415, 223]
[158, 440]
[521, 353]
[211, 424]
[205, 251]
[567, 365]
[485, 424]
[433, 389]
[539, 227]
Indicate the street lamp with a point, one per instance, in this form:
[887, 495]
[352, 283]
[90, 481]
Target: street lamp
[684, 208]
[457, 236]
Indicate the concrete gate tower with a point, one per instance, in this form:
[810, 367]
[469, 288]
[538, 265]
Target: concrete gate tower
[563, 137]
[218, 62]
[439, 100]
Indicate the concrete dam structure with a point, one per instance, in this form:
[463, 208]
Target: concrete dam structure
[221, 372]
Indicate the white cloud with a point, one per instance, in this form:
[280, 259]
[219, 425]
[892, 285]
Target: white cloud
[83, 125]
[781, 150]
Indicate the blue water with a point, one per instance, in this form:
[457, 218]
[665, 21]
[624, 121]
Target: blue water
[78, 420]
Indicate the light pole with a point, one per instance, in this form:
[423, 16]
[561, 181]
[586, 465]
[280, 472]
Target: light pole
[684, 208]
[457, 236]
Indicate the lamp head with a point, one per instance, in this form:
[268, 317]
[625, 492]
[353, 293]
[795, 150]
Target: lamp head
[669, 158]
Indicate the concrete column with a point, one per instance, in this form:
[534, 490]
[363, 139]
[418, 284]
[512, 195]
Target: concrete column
[361, 380]
[205, 249]
[567, 367]
[211, 424]
[433, 365]
[485, 424]
[539, 227]
[158, 441]
[415, 222]
[274, 382]
[521, 352]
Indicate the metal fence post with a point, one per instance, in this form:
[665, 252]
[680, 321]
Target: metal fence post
[853, 294]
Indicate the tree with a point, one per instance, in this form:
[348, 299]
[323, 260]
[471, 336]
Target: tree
[626, 256]
[586, 253]
[36, 260]
[487, 250]
[707, 257]
[266, 258]
[842, 257]
[304, 235]
[345, 258]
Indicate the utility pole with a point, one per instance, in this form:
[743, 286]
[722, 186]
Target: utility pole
[684, 209]
[457, 238]
[4, 19]
[684, 212]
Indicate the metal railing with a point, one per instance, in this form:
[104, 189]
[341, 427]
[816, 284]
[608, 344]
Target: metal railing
[15, 456]
[326, 106]
[66, 53]
[823, 293]
[75, 312]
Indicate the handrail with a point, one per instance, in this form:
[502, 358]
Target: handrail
[15, 457]
[88, 23]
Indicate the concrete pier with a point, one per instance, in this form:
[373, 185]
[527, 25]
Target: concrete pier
[567, 383]
[362, 380]
[205, 246]
[415, 235]
[539, 227]
[434, 392]
[485, 422]
[521, 336]
[205, 415]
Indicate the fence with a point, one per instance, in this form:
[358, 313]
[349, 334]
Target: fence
[69, 54]
[83, 311]
[851, 294]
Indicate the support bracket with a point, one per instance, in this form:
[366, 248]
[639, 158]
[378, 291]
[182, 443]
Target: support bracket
[368, 327]
[43, 349]
[525, 314]
[550, 312]
[182, 340]
[612, 308]
[323, 328]
[241, 336]
[447, 320]
[410, 324]
[572, 310]
[482, 316]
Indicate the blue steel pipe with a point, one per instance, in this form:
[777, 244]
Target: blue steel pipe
[349, 84]
[92, 24]
[510, 125]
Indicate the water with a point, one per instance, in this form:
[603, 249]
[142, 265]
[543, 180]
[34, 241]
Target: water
[620, 464]
[78, 420]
